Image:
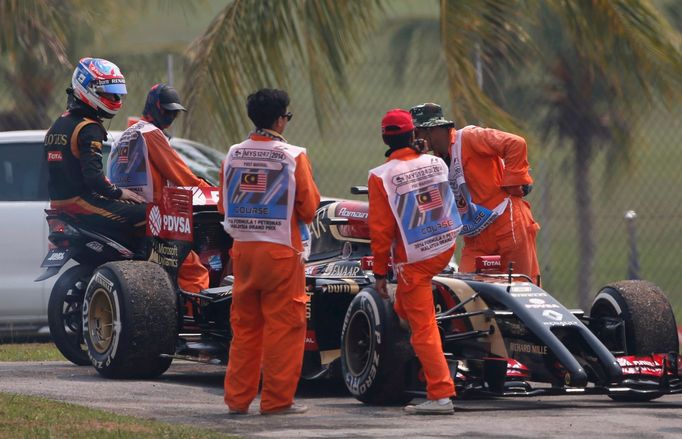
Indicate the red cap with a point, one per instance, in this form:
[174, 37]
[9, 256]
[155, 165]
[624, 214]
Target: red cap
[396, 121]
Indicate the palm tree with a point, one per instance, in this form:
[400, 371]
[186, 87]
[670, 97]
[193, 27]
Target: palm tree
[33, 35]
[255, 43]
[586, 98]
[596, 60]
[39, 44]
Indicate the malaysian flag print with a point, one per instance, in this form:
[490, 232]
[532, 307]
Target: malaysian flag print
[429, 200]
[253, 182]
[123, 154]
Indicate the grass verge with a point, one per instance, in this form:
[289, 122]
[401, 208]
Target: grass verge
[30, 352]
[35, 417]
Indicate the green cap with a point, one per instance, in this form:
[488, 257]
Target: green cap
[429, 115]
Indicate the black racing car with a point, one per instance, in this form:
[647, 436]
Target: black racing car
[502, 334]
[122, 311]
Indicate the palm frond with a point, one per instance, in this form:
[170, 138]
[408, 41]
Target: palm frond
[627, 41]
[479, 28]
[253, 44]
[38, 26]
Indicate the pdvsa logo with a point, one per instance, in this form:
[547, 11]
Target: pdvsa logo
[167, 223]
[176, 224]
[155, 221]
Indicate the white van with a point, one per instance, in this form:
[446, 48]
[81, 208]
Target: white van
[23, 230]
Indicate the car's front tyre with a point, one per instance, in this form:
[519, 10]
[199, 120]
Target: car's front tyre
[375, 351]
[648, 323]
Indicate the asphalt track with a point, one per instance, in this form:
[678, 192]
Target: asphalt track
[192, 394]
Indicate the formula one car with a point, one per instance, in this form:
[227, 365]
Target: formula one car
[123, 312]
[505, 336]
[502, 334]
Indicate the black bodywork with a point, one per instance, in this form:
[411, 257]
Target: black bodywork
[500, 332]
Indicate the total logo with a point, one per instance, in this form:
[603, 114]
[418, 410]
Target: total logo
[169, 223]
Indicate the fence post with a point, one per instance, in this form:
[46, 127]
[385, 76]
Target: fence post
[633, 256]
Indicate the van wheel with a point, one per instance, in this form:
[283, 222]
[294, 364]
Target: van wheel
[375, 351]
[65, 314]
[648, 323]
[130, 319]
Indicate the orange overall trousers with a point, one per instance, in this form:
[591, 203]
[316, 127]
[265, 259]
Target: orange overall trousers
[414, 297]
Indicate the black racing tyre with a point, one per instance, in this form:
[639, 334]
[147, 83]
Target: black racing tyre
[648, 321]
[375, 351]
[65, 313]
[130, 319]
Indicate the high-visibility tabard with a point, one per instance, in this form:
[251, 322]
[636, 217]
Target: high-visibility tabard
[128, 165]
[475, 218]
[422, 203]
[259, 188]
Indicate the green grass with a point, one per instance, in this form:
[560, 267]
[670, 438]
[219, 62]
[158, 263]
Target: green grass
[30, 352]
[35, 417]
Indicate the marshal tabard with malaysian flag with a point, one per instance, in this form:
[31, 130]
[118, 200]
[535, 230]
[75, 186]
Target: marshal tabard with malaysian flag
[429, 200]
[253, 182]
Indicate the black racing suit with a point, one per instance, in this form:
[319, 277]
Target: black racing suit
[76, 181]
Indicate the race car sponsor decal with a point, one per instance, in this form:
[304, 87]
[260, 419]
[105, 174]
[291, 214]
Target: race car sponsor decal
[527, 348]
[536, 303]
[651, 365]
[553, 315]
[516, 293]
[356, 211]
[311, 341]
[172, 218]
[341, 270]
[563, 323]
[106, 283]
[155, 221]
[347, 287]
[95, 246]
[165, 255]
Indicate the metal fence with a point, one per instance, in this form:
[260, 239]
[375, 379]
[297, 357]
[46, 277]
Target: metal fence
[637, 210]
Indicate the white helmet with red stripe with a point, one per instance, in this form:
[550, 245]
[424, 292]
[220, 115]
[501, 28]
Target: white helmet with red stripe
[100, 84]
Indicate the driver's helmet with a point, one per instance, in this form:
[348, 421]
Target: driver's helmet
[94, 76]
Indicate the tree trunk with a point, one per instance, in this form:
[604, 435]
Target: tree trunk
[585, 217]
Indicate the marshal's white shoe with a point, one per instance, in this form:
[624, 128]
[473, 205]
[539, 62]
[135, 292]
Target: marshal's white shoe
[430, 407]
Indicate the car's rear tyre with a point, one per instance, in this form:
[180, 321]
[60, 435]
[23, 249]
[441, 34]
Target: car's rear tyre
[648, 321]
[374, 351]
[65, 314]
[130, 319]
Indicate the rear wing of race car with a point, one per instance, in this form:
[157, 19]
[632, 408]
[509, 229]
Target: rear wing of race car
[359, 190]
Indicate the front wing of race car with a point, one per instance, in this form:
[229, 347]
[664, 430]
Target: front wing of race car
[517, 334]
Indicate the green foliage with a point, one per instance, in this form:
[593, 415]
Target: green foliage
[253, 44]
